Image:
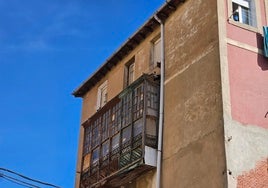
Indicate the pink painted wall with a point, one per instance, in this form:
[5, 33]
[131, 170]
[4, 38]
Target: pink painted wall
[248, 75]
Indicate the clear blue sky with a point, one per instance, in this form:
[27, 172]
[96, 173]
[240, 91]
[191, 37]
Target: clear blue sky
[47, 48]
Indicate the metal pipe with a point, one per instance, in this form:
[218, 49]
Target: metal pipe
[161, 106]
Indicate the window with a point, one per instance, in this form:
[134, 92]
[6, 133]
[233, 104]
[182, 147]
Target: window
[243, 11]
[156, 52]
[129, 72]
[102, 95]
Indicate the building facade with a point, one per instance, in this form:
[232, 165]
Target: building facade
[182, 103]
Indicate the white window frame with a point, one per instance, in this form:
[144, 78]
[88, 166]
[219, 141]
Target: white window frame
[129, 76]
[254, 24]
[102, 97]
[156, 49]
[131, 71]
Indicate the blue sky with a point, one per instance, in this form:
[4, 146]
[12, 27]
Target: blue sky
[47, 48]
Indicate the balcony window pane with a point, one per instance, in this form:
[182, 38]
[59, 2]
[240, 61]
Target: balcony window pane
[127, 109]
[116, 119]
[138, 102]
[105, 124]
[87, 141]
[126, 134]
[96, 132]
[115, 142]
[95, 155]
[105, 148]
[137, 129]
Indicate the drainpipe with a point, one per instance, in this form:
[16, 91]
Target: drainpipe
[161, 106]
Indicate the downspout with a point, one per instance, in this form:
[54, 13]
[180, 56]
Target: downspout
[161, 106]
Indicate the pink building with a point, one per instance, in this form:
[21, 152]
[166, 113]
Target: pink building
[244, 72]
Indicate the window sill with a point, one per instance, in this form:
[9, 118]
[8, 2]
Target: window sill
[243, 26]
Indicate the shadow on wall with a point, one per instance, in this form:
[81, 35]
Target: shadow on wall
[262, 61]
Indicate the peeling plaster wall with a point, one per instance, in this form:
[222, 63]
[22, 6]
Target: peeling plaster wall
[193, 139]
[257, 177]
[246, 146]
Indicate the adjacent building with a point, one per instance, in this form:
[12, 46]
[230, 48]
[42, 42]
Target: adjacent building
[183, 102]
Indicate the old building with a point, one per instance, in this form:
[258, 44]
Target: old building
[183, 102]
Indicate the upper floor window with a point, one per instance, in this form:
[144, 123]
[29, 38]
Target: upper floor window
[244, 11]
[156, 52]
[129, 72]
[102, 95]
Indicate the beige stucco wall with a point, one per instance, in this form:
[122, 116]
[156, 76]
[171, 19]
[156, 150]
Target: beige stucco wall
[193, 138]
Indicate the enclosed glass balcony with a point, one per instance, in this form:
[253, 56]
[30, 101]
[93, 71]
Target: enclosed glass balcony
[121, 138]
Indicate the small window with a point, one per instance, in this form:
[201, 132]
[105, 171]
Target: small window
[102, 95]
[129, 72]
[156, 52]
[243, 11]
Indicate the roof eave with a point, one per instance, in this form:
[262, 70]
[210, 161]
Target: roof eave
[163, 12]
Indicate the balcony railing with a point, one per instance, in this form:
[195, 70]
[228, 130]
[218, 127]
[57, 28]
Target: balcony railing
[121, 138]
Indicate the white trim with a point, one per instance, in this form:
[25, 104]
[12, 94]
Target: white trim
[244, 46]
[99, 96]
[242, 3]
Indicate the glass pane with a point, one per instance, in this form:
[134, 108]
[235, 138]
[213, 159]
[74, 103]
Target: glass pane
[105, 148]
[115, 119]
[95, 156]
[126, 134]
[245, 15]
[137, 128]
[87, 140]
[105, 124]
[127, 109]
[95, 136]
[115, 142]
